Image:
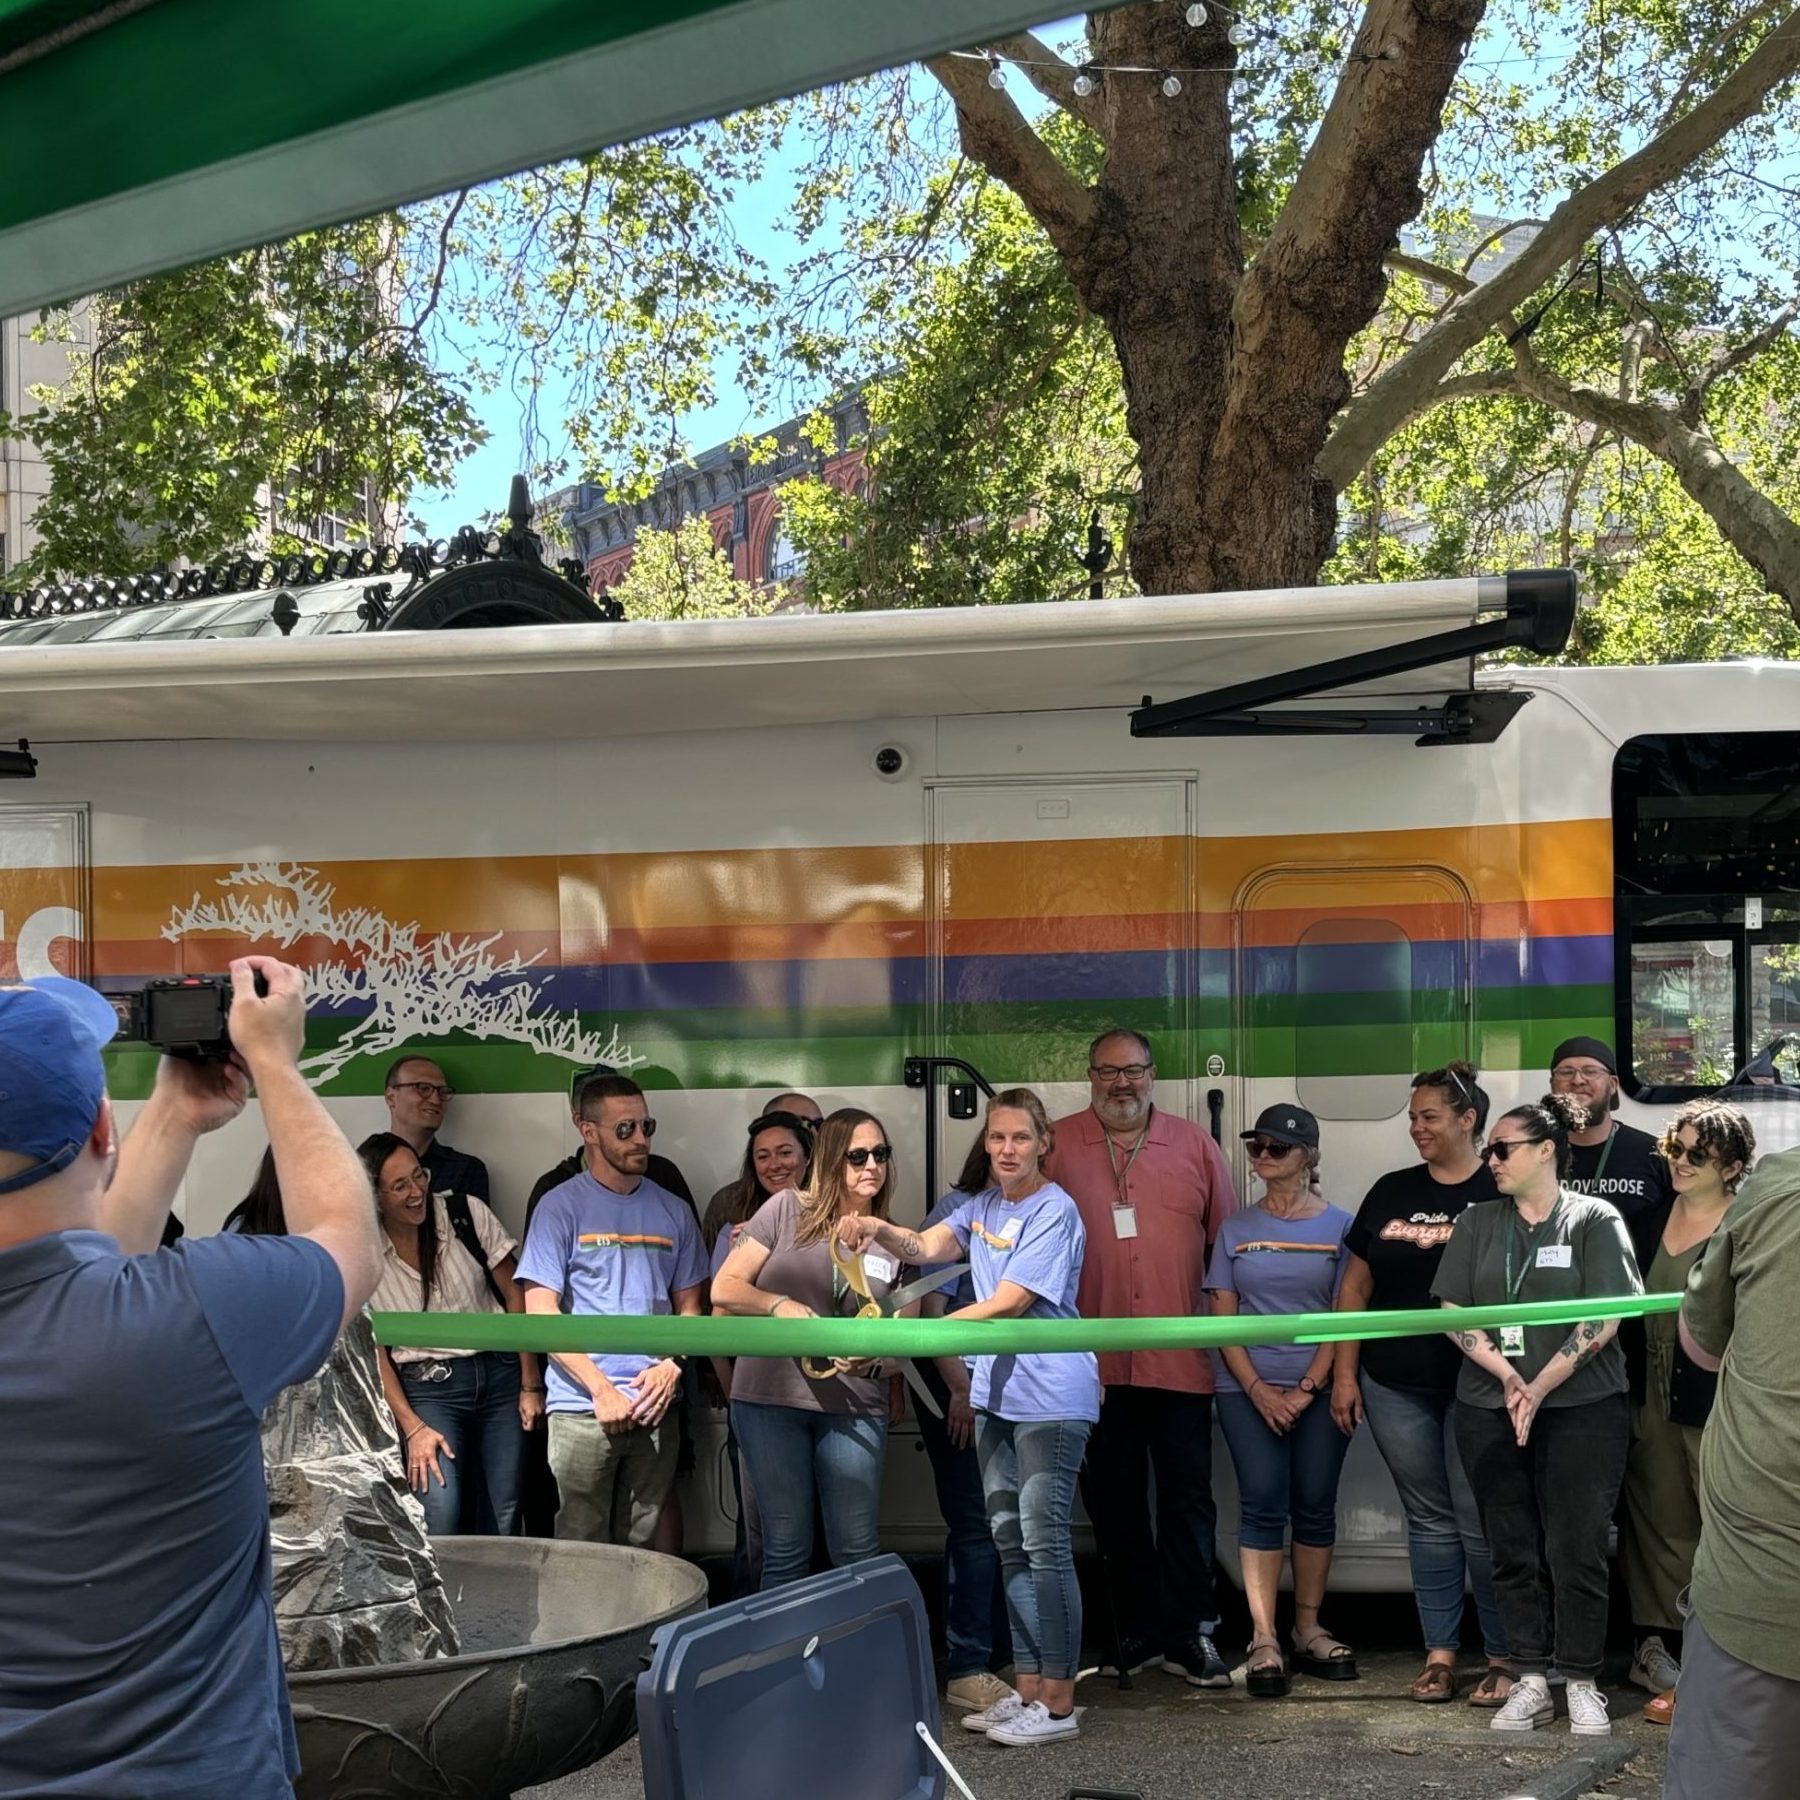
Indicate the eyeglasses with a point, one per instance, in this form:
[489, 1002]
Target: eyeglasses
[1499, 1149]
[880, 1154]
[1579, 1072]
[1268, 1147]
[406, 1184]
[1695, 1156]
[426, 1090]
[626, 1129]
[1112, 1071]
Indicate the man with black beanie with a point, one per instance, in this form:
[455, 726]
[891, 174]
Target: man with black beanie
[1611, 1161]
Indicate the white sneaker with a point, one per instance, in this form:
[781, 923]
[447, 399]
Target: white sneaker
[1654, 1669]
[1527, 1707]
[1034, 1724]
[976, 1693]
[1587, 1710]
[1005, 1709]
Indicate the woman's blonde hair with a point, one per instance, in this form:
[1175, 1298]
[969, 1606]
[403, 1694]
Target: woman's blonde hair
[821, 1203]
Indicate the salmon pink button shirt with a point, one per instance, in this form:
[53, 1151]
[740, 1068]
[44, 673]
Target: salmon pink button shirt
[1179, 1192]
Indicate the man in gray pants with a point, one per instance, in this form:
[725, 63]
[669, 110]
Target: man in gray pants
[1737, 1708]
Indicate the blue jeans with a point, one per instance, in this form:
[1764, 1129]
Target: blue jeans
[1283, 1480]
[793, 1453]
[975, 1628]
[476, 1407]
[1028, 1473]
[1416, 1435]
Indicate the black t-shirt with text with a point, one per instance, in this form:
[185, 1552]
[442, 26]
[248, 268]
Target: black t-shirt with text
[1634, 1179]
[1400, 1232]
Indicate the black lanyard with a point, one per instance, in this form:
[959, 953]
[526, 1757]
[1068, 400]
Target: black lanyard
[1531, 1247]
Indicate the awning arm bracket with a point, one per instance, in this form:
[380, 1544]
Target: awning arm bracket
[1538, 616]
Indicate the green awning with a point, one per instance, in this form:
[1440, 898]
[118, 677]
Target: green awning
[145, 134]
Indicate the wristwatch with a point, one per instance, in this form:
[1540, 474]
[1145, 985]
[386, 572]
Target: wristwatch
[1307, 1385]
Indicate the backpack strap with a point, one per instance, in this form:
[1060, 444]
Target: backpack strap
[462, 1222]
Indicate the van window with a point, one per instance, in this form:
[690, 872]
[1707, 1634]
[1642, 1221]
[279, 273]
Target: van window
[1353, 1013]
[1706, 868]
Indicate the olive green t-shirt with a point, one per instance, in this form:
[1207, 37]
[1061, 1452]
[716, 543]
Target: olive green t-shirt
[1741, 1304]
[1581, 1251]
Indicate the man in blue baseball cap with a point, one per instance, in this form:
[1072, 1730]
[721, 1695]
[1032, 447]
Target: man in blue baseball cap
[138, 1654]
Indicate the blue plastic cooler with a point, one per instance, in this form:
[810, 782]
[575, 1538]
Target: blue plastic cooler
[812, 1688]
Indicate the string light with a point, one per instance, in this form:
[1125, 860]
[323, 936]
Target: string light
[996, 74]
[1084, 82]
[1196, 15]
[1240, 34]
[1171, 85]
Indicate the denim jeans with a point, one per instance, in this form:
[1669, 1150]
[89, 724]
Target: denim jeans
[476, 1407]
[746, 1537]
[793, 1453]
[1163, 1584]
[976, 1633]
[1546, 1510]
[1029, 1472]
[1284, 1479]
[1416, 1435]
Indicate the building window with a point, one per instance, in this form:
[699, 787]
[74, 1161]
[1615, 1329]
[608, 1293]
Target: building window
[784, 561]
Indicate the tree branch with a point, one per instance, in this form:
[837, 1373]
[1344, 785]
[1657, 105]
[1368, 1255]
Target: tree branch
[1369, 421]
[1734, 357]
[997, 135]
[1054, 79]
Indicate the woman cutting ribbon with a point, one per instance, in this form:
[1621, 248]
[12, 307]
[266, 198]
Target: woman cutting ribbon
[1542, 1419]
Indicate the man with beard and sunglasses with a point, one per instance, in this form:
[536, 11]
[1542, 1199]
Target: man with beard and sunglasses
[609, 1241]
[1153, 1191]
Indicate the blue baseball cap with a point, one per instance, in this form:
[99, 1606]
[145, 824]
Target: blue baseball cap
[52, 1081]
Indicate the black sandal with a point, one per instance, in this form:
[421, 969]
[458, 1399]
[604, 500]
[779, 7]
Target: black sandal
[1265, 1680]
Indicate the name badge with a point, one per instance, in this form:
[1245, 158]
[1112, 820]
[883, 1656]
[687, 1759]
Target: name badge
[1556, 1256]
[1125, 1221]
[1010, 1230]
[878, 1268]
[1512, 1340]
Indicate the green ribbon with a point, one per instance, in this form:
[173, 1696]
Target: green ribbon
[722, 1335]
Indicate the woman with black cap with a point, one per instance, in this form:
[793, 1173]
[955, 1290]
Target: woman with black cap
[1609, 1160]
[1285, 1254]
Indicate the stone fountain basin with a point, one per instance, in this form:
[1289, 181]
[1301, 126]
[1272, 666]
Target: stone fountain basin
[554, 1636]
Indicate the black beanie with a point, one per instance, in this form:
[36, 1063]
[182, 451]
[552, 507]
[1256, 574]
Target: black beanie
[1586, 1046]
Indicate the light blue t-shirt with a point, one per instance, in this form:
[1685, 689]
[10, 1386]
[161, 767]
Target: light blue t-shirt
[138, 1655]
[614, 1254]
[1278, 1266]
[1036, 1243]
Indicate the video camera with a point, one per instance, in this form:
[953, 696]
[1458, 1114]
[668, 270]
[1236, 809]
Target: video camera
[185, 1016]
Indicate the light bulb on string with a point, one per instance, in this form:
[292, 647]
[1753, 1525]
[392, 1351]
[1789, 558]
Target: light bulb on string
[1084, 82]
[1196, 15]
[996, 74]
[1240, 34]
[1171, 85]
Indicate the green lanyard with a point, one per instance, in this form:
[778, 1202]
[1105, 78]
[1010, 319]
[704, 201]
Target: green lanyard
[1531, 1247]
[1119, 1175]
[1605, 1155]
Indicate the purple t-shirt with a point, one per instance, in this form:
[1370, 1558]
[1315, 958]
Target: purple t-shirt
[1035, 1243]
[612, 1254]
[1278, 1266]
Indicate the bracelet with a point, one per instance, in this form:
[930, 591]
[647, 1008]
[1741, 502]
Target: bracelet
[781, 1300]
[1255, 1384]
[532, 1390]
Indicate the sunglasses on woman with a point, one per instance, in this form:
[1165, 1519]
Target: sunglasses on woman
[1499, 1149]
[1692, 1154]
[1268, 1147]
[860, 1156]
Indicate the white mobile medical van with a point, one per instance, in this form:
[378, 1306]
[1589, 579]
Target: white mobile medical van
[1290, 836]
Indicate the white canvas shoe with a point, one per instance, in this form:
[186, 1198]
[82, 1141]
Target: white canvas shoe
[1006, 1708]
[1527, 1707]
[1034, 1724]
[1588, 1716]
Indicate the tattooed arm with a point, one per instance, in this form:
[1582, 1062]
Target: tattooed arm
[859, 1231]
[1482, 1351]
[1584, 1343]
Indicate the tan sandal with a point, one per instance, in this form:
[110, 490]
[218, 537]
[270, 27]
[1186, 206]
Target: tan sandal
[1320, 1655]
[1265, 1676]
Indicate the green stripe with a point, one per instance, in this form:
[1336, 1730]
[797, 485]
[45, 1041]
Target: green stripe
[721, 1335]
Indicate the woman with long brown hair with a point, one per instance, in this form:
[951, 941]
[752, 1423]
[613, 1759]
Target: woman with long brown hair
[803, 1437]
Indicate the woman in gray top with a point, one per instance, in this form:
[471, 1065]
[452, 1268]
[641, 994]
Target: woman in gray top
[1542, 1419]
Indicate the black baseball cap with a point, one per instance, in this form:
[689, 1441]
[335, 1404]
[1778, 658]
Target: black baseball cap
[1286, 1125]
